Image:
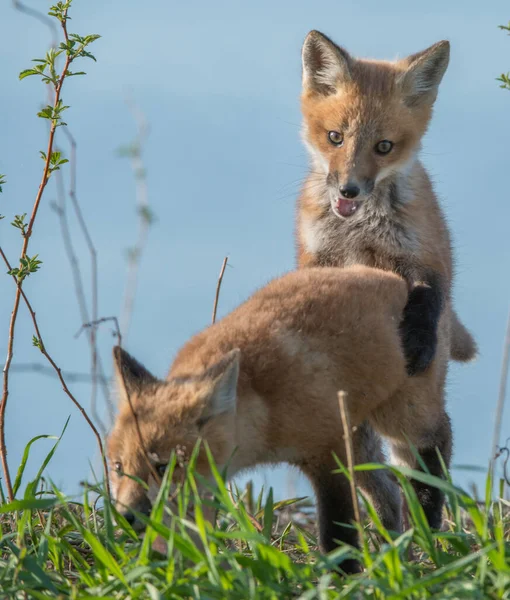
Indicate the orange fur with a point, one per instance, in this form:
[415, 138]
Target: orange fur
[297, 342]
[260, 386]
[398, 224]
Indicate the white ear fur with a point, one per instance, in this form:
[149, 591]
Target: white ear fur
[326, 66]
[424, 72]
[223, 397]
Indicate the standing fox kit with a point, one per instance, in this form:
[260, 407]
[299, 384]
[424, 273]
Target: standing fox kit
[260, 387]
[368, 198]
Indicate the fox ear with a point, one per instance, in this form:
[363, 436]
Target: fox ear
[326, 66]
[423, 73]
[222, 396]
[131, 376]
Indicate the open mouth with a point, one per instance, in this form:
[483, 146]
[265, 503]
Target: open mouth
[346, 208]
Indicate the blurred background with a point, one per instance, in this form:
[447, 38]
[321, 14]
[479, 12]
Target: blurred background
[218, 85]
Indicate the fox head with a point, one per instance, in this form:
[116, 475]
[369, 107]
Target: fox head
[171, 415]
[364, 119]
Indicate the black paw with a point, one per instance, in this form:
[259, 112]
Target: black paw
[419, 330]
[350, 566]
[419, 349]
[432, 501]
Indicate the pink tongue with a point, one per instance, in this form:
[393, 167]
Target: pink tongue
[346, 207]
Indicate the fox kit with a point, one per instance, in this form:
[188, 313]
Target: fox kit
[260, 387]
[368, 198]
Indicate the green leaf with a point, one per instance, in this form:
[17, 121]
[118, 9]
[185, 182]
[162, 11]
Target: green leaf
[91, 38]
[268, 515]
[101, 554]
[33, 484]
[28, 504]
[28, 72]
[24, 459]
[45, 113]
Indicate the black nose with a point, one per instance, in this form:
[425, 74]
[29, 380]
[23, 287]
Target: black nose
[129, 516]
[349, 191]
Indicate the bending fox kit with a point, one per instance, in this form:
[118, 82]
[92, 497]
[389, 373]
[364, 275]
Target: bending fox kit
[261, 386]
[368, 198]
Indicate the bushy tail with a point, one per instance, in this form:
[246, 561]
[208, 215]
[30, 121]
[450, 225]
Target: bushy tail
[463, 347]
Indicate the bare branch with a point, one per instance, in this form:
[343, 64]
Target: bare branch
[502, 395]
[42, 348]
[26, 240]
[350, 453]
[61, 211]
[40, 17]
[145, 217]
[94, 324]
[218, 288]
[70, 376]
[145, 452]
[96, 364]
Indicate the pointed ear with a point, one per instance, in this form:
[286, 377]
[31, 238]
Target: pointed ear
[326, 66]
[131, 376]
[222, 396]
[423, 73]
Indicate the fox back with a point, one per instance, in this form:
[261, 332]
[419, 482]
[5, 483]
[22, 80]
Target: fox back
[261, 386]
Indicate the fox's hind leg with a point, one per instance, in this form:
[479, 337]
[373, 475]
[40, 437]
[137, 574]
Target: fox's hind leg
[426, 425]
[428, 445]
[379, 485]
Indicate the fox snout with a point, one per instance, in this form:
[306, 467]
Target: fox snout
[349, 191]
[143, 506]
[347, 195]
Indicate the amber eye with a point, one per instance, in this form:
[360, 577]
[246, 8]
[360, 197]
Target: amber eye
[336, 138]
[383, 147]
[161, 470]
[118, 467]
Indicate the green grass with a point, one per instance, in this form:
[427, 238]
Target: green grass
[57, 547]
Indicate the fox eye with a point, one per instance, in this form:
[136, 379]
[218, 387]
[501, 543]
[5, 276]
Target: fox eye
[336, 138]
[161, 469]
[383, 147]
[118, 467]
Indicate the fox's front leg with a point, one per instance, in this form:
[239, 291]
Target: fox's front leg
[419, 325]
[335, 511]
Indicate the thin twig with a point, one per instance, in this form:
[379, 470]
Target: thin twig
[218, 288]
[42, 348]
[26, 239]
[96, 363]
[145, 452]
[70, 376]
[28, 233]
[94, 324]
[40, 17]
[502, 395]
[79, 289]
[144, 217]
[350, 453]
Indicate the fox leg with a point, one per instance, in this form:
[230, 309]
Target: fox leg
[380, 486]
[422, 420]
[334, 508]
[428, 444]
